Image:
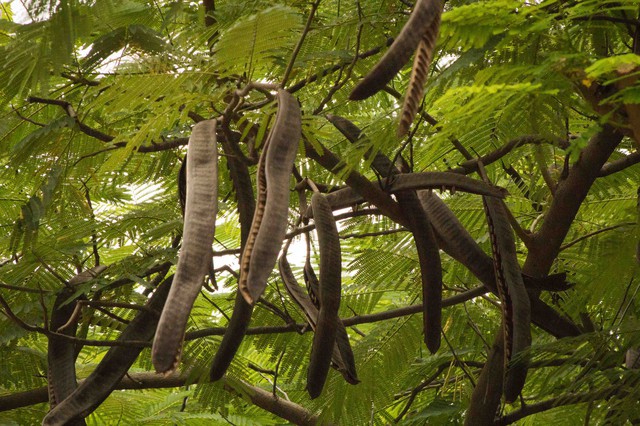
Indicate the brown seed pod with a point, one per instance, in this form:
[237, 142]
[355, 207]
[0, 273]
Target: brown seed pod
[236, 329]
[61, 353]
[513, 295]
[270, 218]
[330, 291]
[487, 393]
[195, 255]
[421, 19]
[114, 365]
[419, 72]
[430, 267]
[342, 357]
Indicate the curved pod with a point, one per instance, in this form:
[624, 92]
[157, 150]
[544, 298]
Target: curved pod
[113, 366]
[330, 288]
[199, 227]
[342, 357]
[515, 300]
[422, 18]
[270, 218]
[61, 353]
[419, 72]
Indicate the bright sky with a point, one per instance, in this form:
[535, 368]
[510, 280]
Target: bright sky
[20, 14]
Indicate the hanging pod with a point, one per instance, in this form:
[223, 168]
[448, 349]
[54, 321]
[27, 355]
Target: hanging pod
[270, 218]
[516, 308]
[419, 34]
[201, 207]
[342, 356]
[324, 338]
[268, 227]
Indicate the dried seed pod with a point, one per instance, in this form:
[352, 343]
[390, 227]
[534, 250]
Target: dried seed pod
[486, 395]
[61, 353]
[236, 329]
[421, 20]
[330, 291]
[199, 227]
[444, 180]
[419, 72]
[430, 267]
[114, 365]
[342, 356]
[270, 218]
[513, 295]
[346, 197]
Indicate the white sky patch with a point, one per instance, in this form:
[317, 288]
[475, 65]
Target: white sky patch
[20, 14]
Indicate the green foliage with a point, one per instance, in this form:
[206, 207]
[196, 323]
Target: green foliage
[97, 101]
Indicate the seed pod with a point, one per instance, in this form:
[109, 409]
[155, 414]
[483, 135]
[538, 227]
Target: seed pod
[419, 72]
[421, 19]
[447, 180]
[113, 366]
[486, 395]
[199, 227]
[270, 218]
[342, 357]
[330, 288]
[61, 353]
[430, 267]
[236, 329]
[516, 307]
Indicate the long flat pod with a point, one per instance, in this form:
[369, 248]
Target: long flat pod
[423, 237]
[513, 295]
[233, 336]
[516, 306]
[346, 197]
[242, 311]
[342, 353]
[445, 180]
[199, 227]
[423, 16]
[342, 356]
[115, 364]
[430, 267]
[270, 219]
[61, 353]
[486, 395]
[419, 71]
[330, 288]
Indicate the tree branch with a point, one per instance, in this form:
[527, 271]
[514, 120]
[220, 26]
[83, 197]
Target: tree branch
[567, 399]
[471, 166]
[570, 193]
[591, 234]
[358, 182]
[312, 78]
[261, 398]
[620, 164]
[97, 134]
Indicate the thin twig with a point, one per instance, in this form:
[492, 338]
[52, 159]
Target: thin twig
[373, 234]
[296, 50]
[311, 79]
[9, 313]
[418, 389]
[591, 234]
[25, 289]
[524, 236]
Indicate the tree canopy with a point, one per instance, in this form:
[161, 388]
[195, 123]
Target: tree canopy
[520, 165]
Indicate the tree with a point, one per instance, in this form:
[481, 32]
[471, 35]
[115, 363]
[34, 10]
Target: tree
[99, 100]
